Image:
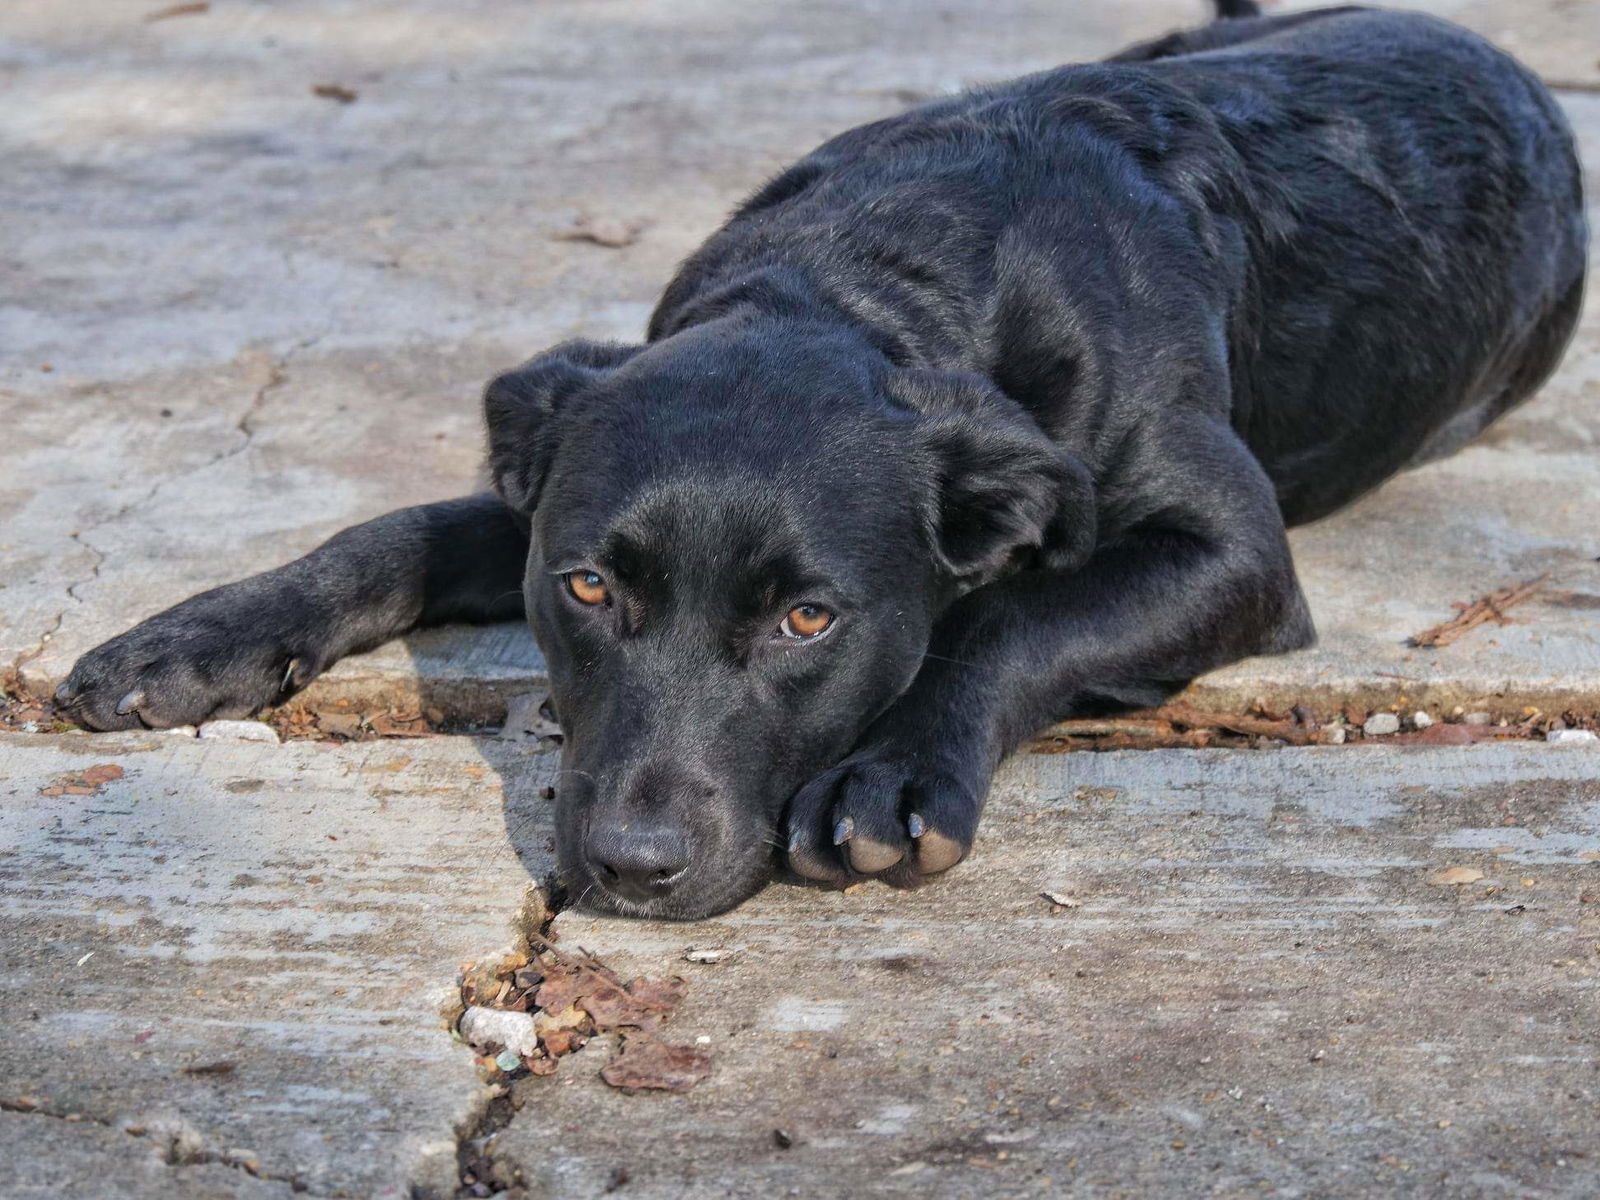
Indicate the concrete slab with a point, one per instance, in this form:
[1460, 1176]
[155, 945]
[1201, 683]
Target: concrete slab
[1260, 993]
[1259, 990]
[224, 973]
[242, 315]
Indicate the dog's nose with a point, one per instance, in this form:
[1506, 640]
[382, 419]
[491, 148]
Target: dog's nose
[638, 861]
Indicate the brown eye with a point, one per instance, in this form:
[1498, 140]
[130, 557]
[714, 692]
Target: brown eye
[805, 621]
[587, 587]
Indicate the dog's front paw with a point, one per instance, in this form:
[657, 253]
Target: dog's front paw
[886, 812]
[209, 657]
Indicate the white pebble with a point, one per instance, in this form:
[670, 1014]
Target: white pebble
[1333, 734]
[1571, 737]
[1379, 724]
[1477, 718]
[1421, 720]
[240, 731]
[486, 1029]
[184, 731]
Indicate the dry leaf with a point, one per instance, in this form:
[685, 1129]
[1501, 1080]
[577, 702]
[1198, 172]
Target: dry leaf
[1454, 876]
[179, 10]
[334, 91]
[87, 782]
[647, 1063]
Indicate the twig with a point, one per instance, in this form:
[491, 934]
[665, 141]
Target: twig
[1483, 610]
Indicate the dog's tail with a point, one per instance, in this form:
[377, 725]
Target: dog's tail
[1237, 8]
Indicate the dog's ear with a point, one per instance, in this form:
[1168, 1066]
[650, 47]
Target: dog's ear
[1003, 494]
[519, 408]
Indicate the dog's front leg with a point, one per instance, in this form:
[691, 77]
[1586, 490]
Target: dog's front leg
[235, 649]
[1197, 575]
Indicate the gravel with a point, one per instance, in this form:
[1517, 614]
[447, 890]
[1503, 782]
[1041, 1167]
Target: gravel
[1380, 724]
[492, 1028]
[239, 731]
[1572, 737]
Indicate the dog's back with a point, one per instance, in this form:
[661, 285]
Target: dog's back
[1430, 179]
[1378, 212]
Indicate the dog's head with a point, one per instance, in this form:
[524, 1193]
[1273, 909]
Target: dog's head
[741, 539]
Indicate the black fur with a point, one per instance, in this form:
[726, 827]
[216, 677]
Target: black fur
[1023, 385]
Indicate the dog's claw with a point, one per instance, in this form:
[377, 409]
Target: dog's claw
[64, 693]
[844, 831]
[130, 702]
[915, 825]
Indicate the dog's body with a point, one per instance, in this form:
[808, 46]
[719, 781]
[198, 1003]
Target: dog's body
[1001, 405]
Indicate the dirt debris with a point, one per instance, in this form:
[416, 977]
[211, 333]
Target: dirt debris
[572, 998]
[91, 781]
[1482, 610]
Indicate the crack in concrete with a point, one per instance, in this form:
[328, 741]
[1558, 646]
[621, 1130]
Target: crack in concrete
[277, 376]
[494, 1106]
[173, 1153]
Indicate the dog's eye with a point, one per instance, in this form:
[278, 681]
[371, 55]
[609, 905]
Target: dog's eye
[587, 587]
[805, 621]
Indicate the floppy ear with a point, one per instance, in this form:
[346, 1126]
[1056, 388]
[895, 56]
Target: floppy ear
[1003, 493]
[520, 405]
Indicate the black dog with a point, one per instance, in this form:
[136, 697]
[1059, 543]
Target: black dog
[978, 417]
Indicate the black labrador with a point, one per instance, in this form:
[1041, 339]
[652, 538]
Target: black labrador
[977, 417]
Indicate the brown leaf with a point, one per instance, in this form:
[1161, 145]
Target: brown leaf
[179, 10]
[661, 992]
[562, 986]
[334, 91]
[87, 782]
[647, 1063]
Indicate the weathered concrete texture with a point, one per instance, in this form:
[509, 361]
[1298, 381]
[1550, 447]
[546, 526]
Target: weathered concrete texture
[239, 953]
[267, 314]
[1261, 993]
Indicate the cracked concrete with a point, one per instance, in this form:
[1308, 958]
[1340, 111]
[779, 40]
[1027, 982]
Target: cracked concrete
[253, 949]
[186, 213]
[239, 316]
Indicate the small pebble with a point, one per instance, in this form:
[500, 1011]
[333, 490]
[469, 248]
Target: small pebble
[239, 731]
[507, 1061]
[1421, 720]
[706, 955]
[488, 1028]
[1571, 737]
[192, 731]
[1477, 718]
[1333, 735]
[1381, 724]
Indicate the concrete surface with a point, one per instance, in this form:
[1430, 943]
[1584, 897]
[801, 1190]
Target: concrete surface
[1261, 992]
[239, 316]
[297, 911]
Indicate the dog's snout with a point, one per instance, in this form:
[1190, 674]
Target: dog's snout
[637, 860]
